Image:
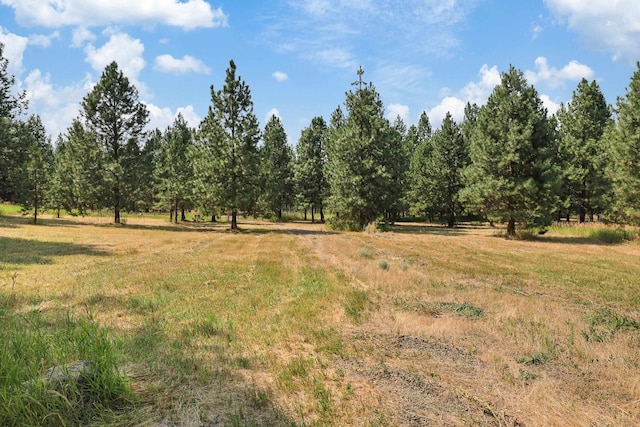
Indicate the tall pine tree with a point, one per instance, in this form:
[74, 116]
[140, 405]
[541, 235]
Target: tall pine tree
[359, 167]
[626, 140]
[231, 132]
[311, 183]
[512, 176]
[116, 118]
[582, 153]
[276, 168]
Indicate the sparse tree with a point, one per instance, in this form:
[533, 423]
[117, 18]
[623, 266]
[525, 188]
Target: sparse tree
[114, 116]
[311, 183]
[276, 168]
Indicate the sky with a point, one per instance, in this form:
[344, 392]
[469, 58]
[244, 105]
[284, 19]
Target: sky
[300, 57]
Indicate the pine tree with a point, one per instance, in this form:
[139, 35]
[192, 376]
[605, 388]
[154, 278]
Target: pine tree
[276, 168]
[311, 183]
[419, 138]
[116, 118]
[399, 154]
[14, 150]
[512, 176]
[38, 168]
[626, 140]
[174, 172]
[358, 167]
[583, 155]
[443, 179]
[231, 132]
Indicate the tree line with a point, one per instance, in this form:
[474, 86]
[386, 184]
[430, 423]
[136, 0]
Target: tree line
[507, 161]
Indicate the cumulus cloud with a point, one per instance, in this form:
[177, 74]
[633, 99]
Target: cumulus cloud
[395, 110]
[14, 46]
[163, 117]
[80, 36]
[603, 25]
[280, 76]
[271, 113]
[188, 64]
[188, 14]
[473, 92]
[123, 49]
[43, 40]
[554, 77]
[551, 106]
[56, 105]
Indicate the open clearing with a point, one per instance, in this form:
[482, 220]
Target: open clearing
[292, 324]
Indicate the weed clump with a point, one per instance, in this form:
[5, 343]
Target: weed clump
[612, 236]
[383, 264]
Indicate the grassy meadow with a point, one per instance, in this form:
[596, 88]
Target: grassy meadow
[294, 324]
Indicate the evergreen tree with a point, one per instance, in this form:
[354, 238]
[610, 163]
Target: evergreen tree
[116, 118]
[38, 168]
[420, 138]
[358, 167]
[399, 152]
[512, 176]
[443, 170]
[174, 173]
[626, 140]
[61, 182]
[583, 155]
[14, 148]
[311, 183]
[231, 132]
[83, 161]
[276, 168]
[149, 163]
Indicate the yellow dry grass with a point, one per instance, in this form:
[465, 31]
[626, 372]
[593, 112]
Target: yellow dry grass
[293, 324]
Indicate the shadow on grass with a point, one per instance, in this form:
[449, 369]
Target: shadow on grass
[24, 251]
[433, 229]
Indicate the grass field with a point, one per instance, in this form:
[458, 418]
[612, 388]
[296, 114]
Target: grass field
[293, 324]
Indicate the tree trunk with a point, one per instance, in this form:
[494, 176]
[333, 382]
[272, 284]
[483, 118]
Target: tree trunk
[313, 214]
[183, 216]
[305, 214]
[213, 218]
[568, 216]
[451, 220]
[58, 212]
[321, 215]
[35, 210]
[279, 213]
[171, 214]
[234, 219]
[583, 214]
[511, 227]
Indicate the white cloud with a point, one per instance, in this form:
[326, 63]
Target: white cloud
[604, 25]
[187, 14]
[280, 76]
[270, 113]
[551, 106]
[123, 49]
[395, 110]
[553, 77]
[42, 40]
[80, 36]
[473, 92]
[313, 28]
[163, 117]
[14, 46]
[57, 106]
[536, 30]
[169, 64]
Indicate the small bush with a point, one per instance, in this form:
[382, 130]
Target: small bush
[383, 264]
[364, 253]
[340, 224]
[612, 236]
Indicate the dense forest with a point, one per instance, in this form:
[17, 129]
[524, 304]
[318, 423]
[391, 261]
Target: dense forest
[507, 161]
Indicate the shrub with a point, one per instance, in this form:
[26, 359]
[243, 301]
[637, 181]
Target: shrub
[612, 236]
[383, 264]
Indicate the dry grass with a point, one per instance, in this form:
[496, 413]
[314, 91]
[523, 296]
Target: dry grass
[291, 324]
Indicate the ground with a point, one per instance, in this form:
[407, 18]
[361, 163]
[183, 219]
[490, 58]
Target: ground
[295, 324]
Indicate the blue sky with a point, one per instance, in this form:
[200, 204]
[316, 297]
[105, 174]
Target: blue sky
[300, 57]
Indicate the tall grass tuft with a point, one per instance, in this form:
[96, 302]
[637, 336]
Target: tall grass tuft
[31, 346]
[612, 236]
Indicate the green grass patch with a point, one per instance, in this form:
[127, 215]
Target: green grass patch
[612, 236]
[604, 324]
[32, 345]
